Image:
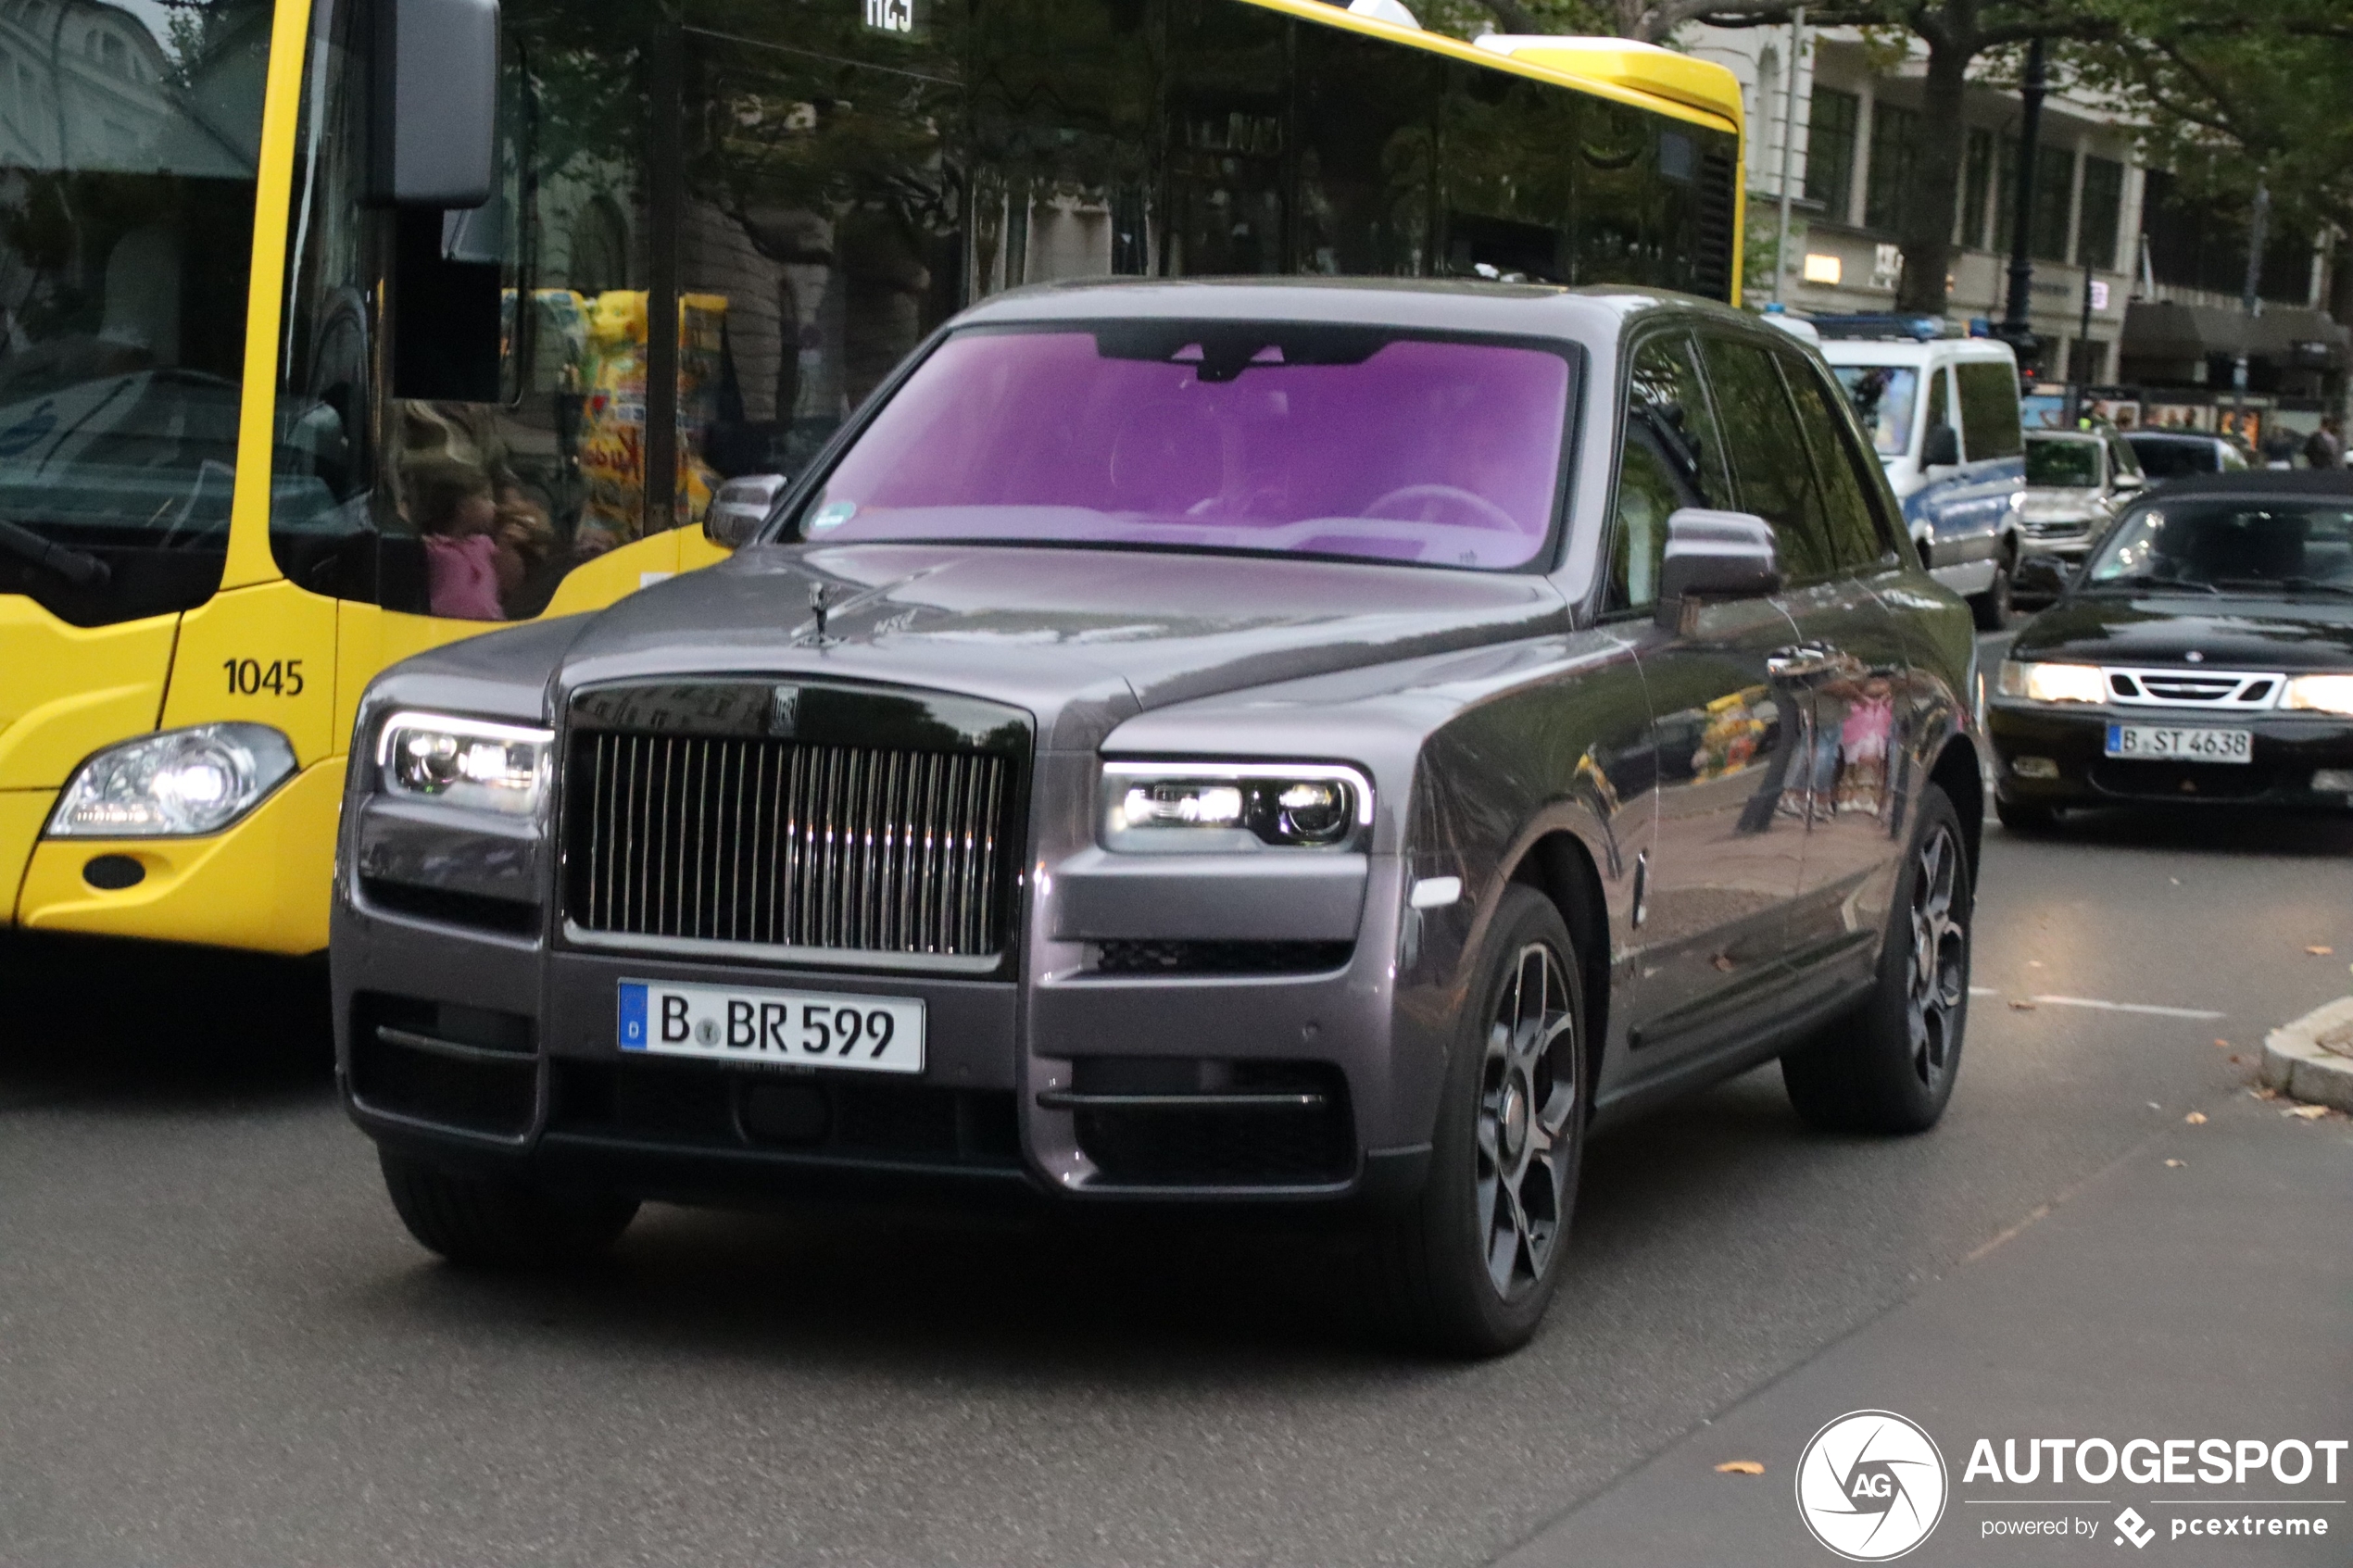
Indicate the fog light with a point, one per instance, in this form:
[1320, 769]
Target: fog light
[2034, 768]
[2333, 780]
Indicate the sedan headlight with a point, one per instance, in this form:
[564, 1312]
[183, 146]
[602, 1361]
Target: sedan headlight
[2051, 682]
[2320, 694]
[464, 763]
[1213, 806]
[180, 784]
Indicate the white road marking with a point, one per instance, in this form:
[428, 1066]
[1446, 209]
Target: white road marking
[2148, 1008]
[1984, 991]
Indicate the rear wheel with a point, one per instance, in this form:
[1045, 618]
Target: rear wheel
[1889, 1066]
[1992, 609]
[1469, 1268]
[484, 1221]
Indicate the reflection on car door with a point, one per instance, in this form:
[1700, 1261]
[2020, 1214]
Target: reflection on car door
[1726, 857]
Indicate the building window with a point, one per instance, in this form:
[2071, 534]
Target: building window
[1830, 150]
[2086, 360]
[2053, 185]
[2103, 202]
[1977, 186]
[1895, 139]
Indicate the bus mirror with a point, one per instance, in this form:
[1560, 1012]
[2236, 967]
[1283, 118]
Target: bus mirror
[434, 141]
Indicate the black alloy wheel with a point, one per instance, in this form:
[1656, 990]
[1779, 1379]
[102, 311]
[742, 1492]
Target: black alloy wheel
[1994, 609]
[489, 1223]
[1471, 1264]
[1889, 1066]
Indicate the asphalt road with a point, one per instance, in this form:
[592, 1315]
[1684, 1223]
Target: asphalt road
[218, 1347]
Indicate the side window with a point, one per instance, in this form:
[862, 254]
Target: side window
[1672, 457]
[1857, 537]
[1989, 411]
[1774, 476]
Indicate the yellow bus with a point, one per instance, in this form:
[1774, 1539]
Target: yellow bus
[283, 398]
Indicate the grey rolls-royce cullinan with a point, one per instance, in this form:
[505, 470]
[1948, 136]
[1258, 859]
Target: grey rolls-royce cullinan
[1248, 743]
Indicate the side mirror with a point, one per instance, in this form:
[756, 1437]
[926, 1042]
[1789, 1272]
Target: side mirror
[741, 506]
[2127, 482]
[434, 102]
[1713, 555]
[1941, 448]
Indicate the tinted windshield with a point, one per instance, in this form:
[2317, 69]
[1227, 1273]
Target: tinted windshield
[2233, 546]
[1314, 440]
[1884, 396]
[2163, 458]
[2070, 464]
[128, 136]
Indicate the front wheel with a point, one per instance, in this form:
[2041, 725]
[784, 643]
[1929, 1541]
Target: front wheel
[484, 1222]
[1993, 610]
[1889, 1066]
[1468, 1269]
[2024, 816]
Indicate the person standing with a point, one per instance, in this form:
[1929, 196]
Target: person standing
[2324, 448]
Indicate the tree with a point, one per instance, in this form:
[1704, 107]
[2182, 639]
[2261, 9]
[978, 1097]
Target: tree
[2231, 95]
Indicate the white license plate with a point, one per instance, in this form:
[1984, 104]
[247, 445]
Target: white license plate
[2158, 743]
[776, 1028]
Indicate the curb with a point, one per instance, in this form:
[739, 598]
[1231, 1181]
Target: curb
[2298, 1064]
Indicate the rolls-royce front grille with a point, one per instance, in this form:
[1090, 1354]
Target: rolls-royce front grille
[783, 844]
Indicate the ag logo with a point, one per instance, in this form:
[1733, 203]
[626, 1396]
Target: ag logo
[1871, 1485]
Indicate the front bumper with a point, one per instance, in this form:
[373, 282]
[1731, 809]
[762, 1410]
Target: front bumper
[1027, 1089]
[2286, 752]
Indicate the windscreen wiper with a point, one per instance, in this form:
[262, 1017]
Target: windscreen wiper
[2300, 584]
[2154, 580]
[77, 566]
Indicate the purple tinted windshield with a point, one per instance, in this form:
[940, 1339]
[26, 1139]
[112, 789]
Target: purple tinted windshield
[1316, 441]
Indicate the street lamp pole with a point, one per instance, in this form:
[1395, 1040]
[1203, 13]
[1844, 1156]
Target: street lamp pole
[1788, 129]
[2251, 295]
[2017, 328]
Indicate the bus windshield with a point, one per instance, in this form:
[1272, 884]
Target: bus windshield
[1884, 396]
[126, 232]
[1214, 435]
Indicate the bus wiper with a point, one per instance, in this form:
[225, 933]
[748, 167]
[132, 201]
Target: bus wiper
[77, 566]
[2301, 584]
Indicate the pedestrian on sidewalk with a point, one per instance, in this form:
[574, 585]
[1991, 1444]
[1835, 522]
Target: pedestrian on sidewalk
[2325, 447]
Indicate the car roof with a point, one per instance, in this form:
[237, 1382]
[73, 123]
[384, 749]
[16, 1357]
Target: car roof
[2045, 432]
[1584, 315]
[1911, 351]
[2265, 481]
[2199, 437]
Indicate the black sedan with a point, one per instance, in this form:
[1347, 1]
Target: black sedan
[2204, 653]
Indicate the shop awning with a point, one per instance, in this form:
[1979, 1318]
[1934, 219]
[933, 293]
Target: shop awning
[2291, 335]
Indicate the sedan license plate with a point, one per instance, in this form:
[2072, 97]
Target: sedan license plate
[2157, 743]
[777, 1028]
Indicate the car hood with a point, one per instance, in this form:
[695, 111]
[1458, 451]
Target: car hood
[1081, 638]
[2246, 634]
[2070, 500]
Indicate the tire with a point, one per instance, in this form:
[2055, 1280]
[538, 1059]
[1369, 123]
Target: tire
[1993, 610]
[486, 1222]
[1467, 1268]
[1889, 1066]
[2025, 815]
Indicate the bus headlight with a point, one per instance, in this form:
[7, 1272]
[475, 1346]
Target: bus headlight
[1213, 806]
[180, 784]
[2051, 682]
[470, 763]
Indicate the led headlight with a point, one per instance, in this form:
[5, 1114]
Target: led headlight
[1209, 806]
[2051, 682]
[180, 784]
[2320, 694]
[465, 762]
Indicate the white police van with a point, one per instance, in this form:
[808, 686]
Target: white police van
[1944, 413]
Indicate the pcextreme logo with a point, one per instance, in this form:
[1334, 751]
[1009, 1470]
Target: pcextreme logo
[1871, 1485]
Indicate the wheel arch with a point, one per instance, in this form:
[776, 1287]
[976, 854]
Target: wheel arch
[1956, 773]
[1559, 866]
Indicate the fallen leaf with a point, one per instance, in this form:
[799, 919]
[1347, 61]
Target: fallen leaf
[1722, 961]
[2174, 880]
[2195, 1117]
[2154, 1106]
[1740, 1467]
[2321, 952]
[2236, 1058]
[2265, 1093]
[2175, 1164]
[2222, 1045]
[2307, 1112]
[2033, 963]
[2022, 1007]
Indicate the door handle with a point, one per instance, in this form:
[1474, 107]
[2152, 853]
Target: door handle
[1798, 664]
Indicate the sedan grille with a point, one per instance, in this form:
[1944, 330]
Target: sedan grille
[775, 843]
[2193, 688]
